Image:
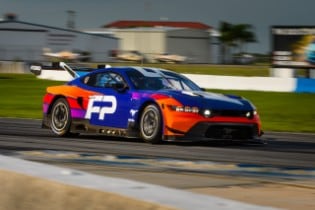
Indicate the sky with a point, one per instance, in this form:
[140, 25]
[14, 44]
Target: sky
[91, 14]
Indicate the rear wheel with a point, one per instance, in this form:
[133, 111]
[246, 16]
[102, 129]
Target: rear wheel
[150, 124]
[60, 118]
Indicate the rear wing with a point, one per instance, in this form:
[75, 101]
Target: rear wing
[60, 71]
[69, 70]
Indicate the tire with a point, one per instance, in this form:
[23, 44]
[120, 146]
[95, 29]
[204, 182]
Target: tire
[151, 124]
[60, 119]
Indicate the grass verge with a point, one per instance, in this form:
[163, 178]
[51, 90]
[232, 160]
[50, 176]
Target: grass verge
[231, 70]
[21, 96]
[292, 112]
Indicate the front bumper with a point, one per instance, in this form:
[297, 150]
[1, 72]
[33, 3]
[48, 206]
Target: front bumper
[208, 131]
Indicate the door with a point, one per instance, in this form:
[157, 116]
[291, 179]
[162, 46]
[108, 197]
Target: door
[111, 105]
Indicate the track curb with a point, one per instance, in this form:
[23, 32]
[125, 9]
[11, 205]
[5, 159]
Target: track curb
[142, 191]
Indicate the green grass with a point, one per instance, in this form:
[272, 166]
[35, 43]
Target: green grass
[21, 96]
[254, 70]
[293, 112]
[231, 70]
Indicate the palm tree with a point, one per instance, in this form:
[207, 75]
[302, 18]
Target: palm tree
[234, 36]
[243, 34]
[226, 39]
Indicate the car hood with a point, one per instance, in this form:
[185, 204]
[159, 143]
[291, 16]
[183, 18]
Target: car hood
[210, 100]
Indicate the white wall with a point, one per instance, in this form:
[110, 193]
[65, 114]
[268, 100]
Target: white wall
[244, 83]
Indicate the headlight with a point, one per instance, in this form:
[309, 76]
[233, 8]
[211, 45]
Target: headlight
[251, 114]
[187, 109]
[207, 113]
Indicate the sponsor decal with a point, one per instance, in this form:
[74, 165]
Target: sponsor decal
[133, 114]
[101, 105]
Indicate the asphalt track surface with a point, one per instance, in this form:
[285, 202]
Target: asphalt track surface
[284, 159]
[286, 150]
[280, 152]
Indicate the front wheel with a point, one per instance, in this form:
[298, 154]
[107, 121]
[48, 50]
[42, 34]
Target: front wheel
[151, 124]
[60, 118]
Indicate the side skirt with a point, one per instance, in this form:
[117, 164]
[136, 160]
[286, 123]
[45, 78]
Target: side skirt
[83, 126]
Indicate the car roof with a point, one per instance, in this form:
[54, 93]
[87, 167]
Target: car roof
[146, 71]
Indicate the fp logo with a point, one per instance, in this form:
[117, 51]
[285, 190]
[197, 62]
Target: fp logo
[95, 106]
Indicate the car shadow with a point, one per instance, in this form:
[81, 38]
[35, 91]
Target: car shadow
[218, 143]
[213, 143]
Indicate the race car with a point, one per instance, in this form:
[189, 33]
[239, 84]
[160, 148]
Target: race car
[149, 103]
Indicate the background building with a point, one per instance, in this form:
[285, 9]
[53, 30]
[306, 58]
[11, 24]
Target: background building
[150, 38]
[192, 43]
[26, 41]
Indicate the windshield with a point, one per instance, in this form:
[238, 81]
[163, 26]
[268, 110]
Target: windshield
[180, 82]
[165, 80]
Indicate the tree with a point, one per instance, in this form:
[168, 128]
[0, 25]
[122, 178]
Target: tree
[243, 34]
[234, 36]
[226, 39]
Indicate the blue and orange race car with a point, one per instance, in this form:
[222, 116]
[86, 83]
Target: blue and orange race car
[150, 103]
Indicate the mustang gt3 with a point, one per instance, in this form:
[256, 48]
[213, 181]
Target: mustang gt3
[148, 103]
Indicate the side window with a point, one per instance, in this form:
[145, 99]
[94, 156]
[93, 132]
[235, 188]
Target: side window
[89, 80]
[105, 79]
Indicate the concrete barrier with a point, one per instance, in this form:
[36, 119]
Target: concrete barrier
[305, 85]
[276, 84]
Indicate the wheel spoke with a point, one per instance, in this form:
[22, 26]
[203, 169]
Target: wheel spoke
[150, 124]
[60, 117]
